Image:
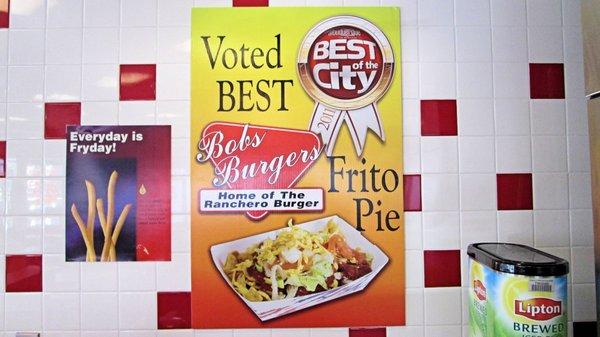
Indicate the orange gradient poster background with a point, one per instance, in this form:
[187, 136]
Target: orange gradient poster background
[245, 72]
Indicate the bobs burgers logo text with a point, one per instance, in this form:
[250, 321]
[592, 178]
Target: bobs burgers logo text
[296, 168]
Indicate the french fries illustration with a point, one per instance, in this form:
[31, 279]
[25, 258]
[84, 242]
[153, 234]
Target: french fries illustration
[110, 230]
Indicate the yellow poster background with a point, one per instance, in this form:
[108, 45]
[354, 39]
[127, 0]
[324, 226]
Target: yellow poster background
[214, 304]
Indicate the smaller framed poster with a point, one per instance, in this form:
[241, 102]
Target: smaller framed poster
[118, 193]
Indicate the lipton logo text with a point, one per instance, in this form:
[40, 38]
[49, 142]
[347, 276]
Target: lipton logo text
[539, 309]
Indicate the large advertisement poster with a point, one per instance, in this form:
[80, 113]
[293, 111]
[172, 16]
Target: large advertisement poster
[118, 193]
[296, 173]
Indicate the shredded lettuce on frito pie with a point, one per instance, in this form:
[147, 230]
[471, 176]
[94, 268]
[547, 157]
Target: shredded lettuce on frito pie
[296, 263]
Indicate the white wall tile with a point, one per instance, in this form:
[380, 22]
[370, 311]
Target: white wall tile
[475, 117]
[441, 230]
[476, 154]
[545, 44]
[64, 13]
[174, 275]
[509, 44]
[411, 117]
[512, 117]
[101, 13]
[439, 154]
[442, 306]
[574, 83]
[172, 81]
[548, 117]
[580, 190]
[137, 311]
[23, 234]
[436, 12]
[100, 82]
[25, 84]
[515, 227]
[59, 275]
[4, 47]
[63, 83]
[99, 311]
[137, 113]
[544, 13]
[584, 304]
[24, 196]
[437, 80]
[508, 13]
[63, 46]
[571, 11]
[478, 192]
[582, 265]
[135, 276]
[408, 10]
[414, 267]
[548, 191]
[511, 80]
[582, 227]
[436, 44]
[100, 45]
[138, 45]
[412, 154]
[99, 113]
[405, 331]
[174, 45]
[410, 80]
[54, 234]
[577, 120]
[61, 311]
[578, 154]
[474, 80]
[551, 228]
[23, 311]
[473, 44]
[416, 299]
[99, 277]
[138, 13]
[513, 154]
[439, 192]
[26, 47]
[54, 158]
[478, 226]
[410, 44]
[413, 230]
[549, 153]
[54, 196]
[28, 14]
[472, 12]
[176, 114]
[24, 158]
[174, 13]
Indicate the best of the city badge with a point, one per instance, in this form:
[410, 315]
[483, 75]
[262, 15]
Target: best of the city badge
[346, 65]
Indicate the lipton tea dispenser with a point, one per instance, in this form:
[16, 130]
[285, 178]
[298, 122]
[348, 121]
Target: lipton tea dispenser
[516, 290]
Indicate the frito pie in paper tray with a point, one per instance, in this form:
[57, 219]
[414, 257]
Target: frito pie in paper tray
[296, 173]
[300, 266]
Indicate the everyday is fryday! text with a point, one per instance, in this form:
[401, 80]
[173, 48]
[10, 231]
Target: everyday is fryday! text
[104, 142]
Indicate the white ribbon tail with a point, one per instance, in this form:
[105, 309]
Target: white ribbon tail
[326, 122]
[360, 121]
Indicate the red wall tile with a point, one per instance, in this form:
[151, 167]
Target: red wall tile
[546, 80]
[412, 193]
[137, 82]
[23, 273]
[4, 13]
[442, 268]
[174, 310]
[250, 3]
[514, 191]
[367, 332]
[57, 116]
[438, 118]
[2, 159]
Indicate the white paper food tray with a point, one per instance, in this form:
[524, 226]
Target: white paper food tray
[272, 309]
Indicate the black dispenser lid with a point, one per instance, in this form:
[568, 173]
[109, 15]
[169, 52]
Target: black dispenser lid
[517, 259]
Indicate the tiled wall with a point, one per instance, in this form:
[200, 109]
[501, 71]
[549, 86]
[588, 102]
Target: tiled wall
[496, 148]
